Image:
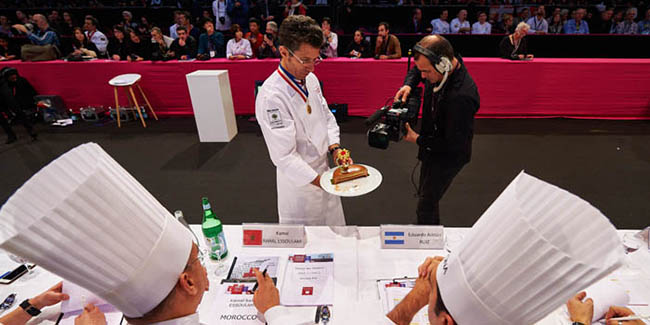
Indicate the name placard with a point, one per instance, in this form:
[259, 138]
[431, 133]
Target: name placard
[412, 236]
[273, 235]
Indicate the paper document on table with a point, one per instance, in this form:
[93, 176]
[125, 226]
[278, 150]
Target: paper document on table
[605, 293]
[308, 280]
[79, 297]
[234, 305]
[243, 266]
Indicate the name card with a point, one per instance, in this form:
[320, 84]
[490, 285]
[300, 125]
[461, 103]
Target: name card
[274, 235]
[412, 236]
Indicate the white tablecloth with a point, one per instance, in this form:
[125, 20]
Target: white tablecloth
[359, 262]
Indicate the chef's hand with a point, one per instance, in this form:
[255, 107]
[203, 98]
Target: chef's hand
[616, 311]
[430, 264]
[581, 310]
[267, 295]
[403, 93]
[50, 297]
[90, 316]
[411, 136]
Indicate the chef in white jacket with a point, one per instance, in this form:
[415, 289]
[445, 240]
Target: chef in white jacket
[299, 128]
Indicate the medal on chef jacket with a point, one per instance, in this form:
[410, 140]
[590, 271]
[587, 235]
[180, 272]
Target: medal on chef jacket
[302, 91]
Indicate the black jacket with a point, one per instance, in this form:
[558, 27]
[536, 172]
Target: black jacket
[507, 50]
[23, 93]
[447, 117]
[364, 48]
[189, 49]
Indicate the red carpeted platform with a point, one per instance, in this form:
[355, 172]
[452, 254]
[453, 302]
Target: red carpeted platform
[576, 88]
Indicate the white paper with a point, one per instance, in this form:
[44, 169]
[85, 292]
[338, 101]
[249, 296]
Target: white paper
[310, 283]
[244, 265]
[606, 293]
[80, 297]
[234, 305]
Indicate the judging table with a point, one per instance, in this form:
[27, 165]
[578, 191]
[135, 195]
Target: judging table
[358, 263]
[576, 88]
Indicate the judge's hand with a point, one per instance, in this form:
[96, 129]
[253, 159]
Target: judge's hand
[403, 93]
[430, 264]
[521, 56]
[50, 297]
[616, 311]
[266, 295]
[411, 136]
[90, 316]
[383, 57]
[529, 56]
[579, 310]
[184, 57]
[116, 57]
[380, 40]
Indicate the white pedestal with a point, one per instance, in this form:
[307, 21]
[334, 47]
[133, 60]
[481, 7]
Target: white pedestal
[212, 103]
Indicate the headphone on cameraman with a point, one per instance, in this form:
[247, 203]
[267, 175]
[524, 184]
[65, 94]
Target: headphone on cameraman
[7, 71]
[442, 64]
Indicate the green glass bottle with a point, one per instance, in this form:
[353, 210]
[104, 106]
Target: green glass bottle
[213, 233]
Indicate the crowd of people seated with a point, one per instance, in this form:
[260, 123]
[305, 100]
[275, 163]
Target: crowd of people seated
[245, 29]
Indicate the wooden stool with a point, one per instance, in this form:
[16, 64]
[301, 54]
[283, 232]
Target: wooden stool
[128, 81]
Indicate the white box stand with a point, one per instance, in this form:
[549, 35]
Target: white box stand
[212, 103]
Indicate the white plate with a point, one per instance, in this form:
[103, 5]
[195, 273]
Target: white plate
[355, 187]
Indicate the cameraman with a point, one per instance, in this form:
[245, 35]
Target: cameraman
[445, 139]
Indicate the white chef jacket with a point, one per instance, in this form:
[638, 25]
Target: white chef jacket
[192, 319]
[297, 142]
[100, 40]
[439, 26]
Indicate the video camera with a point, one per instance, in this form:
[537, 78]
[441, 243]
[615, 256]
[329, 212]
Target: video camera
[392, 120]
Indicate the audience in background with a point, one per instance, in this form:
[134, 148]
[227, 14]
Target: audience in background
[269, 48]
[185, 20]
[5, 27]
[139, 49]
[331, 44]
[68, 24]
[238, 48]
[644, 25]
[359, 47]
[172, 28]
[81, 46]
[460, 25]
[514, 46]
[538, 23]
[118, 46]
[211, 43]
[387, 45]
[602, 23]
[21, 18]
[254, 36]
[98, 38]
[481, 26]
[45, 35]
[184, 47]
[267, 10]
[577, 25]
[555, 25]
[294, 7]
[159, 46]
[8, 51]
[220, 11]
[238, 12]
[628, 26]
[416, 24]
[506, 25]
[440, 25]
[127, 20]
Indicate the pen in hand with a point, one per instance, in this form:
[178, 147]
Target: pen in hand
[257, 283]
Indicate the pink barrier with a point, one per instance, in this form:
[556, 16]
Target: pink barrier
[577, 88]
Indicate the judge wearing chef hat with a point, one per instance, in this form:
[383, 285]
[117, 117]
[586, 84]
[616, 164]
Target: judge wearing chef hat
[86, 219]
[526, 256]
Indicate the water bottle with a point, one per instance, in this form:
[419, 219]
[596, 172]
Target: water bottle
[213, 233]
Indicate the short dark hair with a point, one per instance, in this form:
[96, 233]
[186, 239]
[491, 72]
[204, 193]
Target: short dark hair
[235, 28]
[297, 30]
[440, 305]
[93, 20]
[4, 36]
[360, 32]
[385, 24]
[254, 20]
[207, 20]
[326, 19]
[441, 47]
[181, 28]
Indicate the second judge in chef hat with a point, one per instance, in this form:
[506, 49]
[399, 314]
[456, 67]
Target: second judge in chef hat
[532, 250]
[86, 219]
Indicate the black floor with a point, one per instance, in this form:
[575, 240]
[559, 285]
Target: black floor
[605, 162]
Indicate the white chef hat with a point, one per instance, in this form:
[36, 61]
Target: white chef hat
[86, 219]
[533, 248]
